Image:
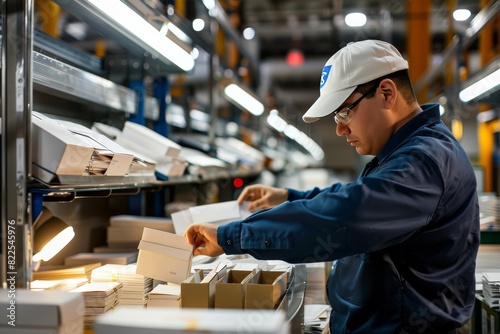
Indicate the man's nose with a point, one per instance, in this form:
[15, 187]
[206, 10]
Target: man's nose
[342, 129]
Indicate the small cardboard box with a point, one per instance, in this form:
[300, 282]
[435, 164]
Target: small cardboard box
[198, 291]
[164, 256]
[230, 290]
[56, 151]
[52, 311]
[267, 292]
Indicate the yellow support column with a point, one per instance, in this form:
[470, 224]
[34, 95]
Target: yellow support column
[48, 14]
[419, 41]
[486, 130]
[177, 86]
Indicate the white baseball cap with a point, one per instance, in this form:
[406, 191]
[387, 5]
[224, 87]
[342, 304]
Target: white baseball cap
[355, 64]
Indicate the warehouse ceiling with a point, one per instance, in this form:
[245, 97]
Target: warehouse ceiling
[317, 29]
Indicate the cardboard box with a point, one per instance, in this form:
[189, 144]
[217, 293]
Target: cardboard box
[216, 213]
[267, 293]
[51, 311]
[164, 256]
[198, 291]
[230, 290]
[128, 320]
[56, 151]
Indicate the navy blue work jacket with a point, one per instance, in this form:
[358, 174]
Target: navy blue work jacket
[403, 237]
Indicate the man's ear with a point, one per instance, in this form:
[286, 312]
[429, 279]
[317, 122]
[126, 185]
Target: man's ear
[390, 92]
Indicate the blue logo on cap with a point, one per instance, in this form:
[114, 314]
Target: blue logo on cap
[324, 75]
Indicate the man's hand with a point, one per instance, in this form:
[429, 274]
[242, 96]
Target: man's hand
[262, 197]
[204, 237]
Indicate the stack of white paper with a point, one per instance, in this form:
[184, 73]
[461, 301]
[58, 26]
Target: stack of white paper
[217, 213]
[58, 272]
[135, 287]
[491, 289]
[125, 231]
[37, 312]
[235, 151]
[155, 147]
[103, 258]
[99, 298]
[202, 164]
[107, 158]
[40, 285]
[164, 295]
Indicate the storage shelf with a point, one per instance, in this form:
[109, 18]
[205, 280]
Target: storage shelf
[121, 185]
[53, 76]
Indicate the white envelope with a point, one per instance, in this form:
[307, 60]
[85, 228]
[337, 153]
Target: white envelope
[217, 213]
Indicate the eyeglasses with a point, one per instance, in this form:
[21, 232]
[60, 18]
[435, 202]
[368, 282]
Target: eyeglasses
[345, 114]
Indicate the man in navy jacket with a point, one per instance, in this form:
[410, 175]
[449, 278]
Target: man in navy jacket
[403, 236]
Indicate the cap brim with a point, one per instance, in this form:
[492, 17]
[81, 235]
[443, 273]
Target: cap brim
[326, 104]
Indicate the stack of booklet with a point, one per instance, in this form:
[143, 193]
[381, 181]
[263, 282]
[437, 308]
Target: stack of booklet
[104, 258]
[59, 272]
[135, 287]
[99, 298]
[41, 285]
[491, 289]
[164, 295]
[125, 231]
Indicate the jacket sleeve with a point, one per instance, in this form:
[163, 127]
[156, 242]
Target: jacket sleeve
[373, 213]
[296, 194]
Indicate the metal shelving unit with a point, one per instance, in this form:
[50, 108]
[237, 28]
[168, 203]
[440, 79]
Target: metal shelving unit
[16, 86]
[32, 61]
[58, 78]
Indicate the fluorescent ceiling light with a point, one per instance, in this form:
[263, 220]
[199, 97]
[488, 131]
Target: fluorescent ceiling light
[248, 33]
[198, 24]
[295, 134]
[355, 19]
[278, 123]
[461, 14]
[210, 4]
[145, 32]
[244, 99]
[480, 87]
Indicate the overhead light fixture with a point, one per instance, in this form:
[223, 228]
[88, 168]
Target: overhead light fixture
[144, 33]
[51, 235]
[278, 123]
[248, 33]
[481, 86]
[198, 24]
[461, 14]
[355, 19]
[241, 96]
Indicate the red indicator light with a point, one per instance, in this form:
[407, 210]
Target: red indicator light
[238, 182]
